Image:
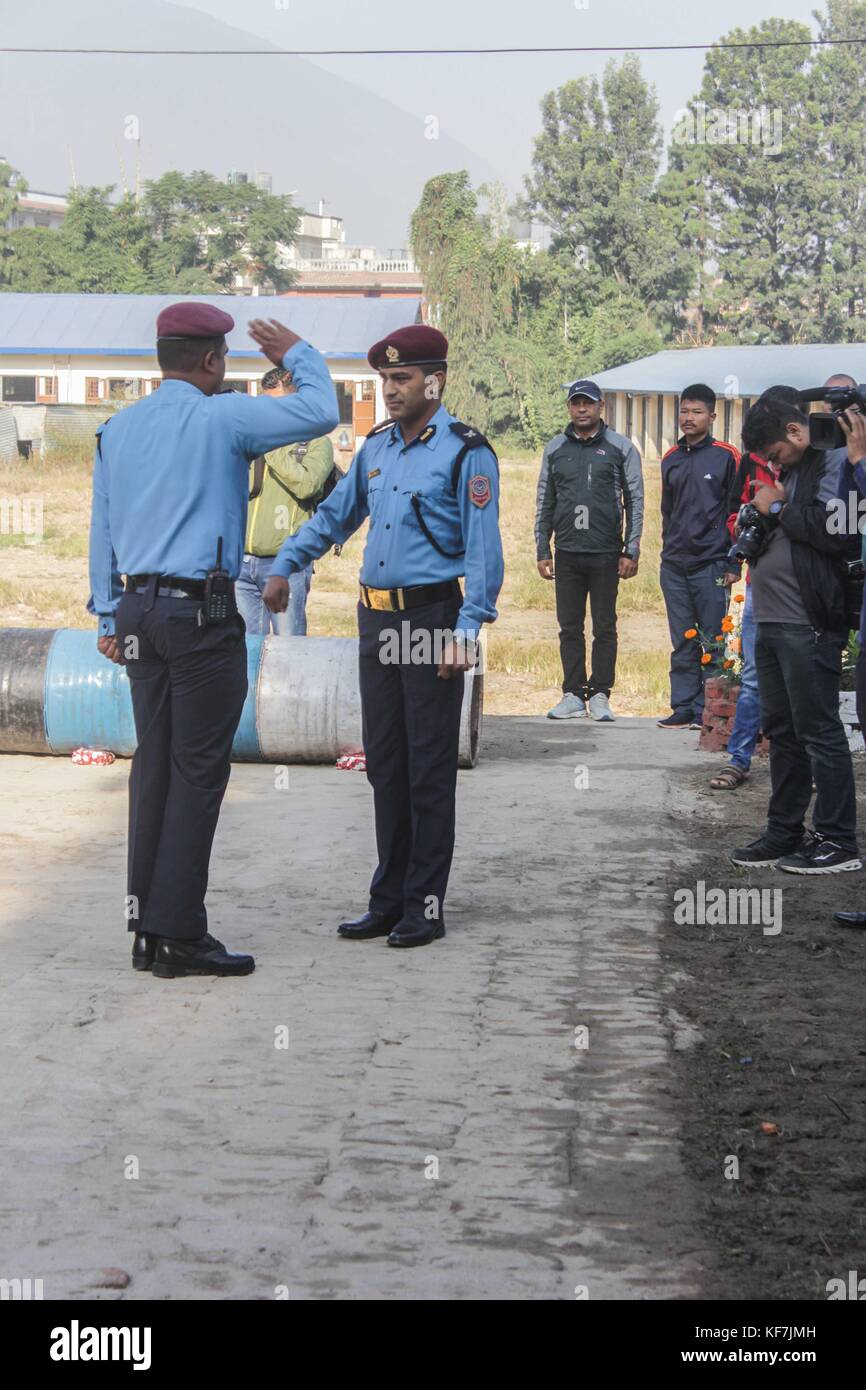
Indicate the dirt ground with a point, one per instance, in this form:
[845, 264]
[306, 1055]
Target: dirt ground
[540, 1106]
[783, 1041]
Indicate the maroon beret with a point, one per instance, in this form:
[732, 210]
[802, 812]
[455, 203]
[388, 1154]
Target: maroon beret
[416, 346]
[191, 320]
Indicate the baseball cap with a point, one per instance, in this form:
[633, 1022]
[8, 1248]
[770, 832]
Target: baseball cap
[584, 388]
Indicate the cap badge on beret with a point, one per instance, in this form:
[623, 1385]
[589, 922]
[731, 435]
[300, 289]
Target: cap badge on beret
[392, 353]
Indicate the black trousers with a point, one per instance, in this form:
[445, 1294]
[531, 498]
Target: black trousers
[577, 576]
[860, 689]
[411, 724]
[188, 688]
[798, 681]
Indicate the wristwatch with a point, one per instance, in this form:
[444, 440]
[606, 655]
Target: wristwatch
[776, 508]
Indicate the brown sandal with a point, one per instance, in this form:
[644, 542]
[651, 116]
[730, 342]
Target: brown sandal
[728, 779]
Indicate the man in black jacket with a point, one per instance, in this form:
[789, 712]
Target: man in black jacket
[590, 499]
[799, 604]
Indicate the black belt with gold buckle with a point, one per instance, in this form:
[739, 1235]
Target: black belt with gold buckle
[397, 600]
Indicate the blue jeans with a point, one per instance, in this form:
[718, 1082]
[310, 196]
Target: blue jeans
[255, 572]
[747, 720]
[691, 600]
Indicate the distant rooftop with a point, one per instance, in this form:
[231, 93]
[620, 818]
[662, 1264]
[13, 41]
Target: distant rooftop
[736, 371]
[124, 325]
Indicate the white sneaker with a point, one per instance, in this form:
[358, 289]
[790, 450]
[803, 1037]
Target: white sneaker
[569, 707]
[599, 708]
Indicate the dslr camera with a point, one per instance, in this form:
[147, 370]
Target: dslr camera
[752, 535]
[825, 432]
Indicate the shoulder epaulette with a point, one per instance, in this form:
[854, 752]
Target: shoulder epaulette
[377, 429]
[472, 439]
[99, 430]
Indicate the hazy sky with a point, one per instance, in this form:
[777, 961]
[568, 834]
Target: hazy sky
[358, 140]
[491, 103]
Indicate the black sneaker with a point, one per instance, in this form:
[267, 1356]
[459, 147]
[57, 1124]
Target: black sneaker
[818, 855]
[760, 854]
[680, 719]
[697, 722]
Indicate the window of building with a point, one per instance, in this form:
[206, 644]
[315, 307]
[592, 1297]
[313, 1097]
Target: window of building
[345, 400]
[19, 390]
[236, 385]
[124, 388]
[46, 390]
[94, 389]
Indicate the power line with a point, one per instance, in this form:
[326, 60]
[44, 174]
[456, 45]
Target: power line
[424, 52]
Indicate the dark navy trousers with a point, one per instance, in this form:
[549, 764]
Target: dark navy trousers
[411, 730]
[188, 687]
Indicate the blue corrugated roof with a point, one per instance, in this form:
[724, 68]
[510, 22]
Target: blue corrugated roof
[736, 371]
[125, 324]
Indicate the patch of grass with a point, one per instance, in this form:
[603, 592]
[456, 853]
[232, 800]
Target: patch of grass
[72, 547]
[47, 586]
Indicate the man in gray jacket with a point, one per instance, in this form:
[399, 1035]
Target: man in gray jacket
[590, 499]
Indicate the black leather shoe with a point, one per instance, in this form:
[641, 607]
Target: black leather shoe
[143, 950]
[370, 925]
[850, 919]
[204, 956]
[416, 933]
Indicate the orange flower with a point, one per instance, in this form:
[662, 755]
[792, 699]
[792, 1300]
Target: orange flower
[739, 598]
[706, 659]
[728, 665]
[727, 624]
[720, 637]
[690, 632]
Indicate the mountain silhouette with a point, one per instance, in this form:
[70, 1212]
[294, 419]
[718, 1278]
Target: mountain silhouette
[317, 134]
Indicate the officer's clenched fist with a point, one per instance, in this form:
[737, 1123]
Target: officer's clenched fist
[109, 647]
[273, 338]
[276, 594]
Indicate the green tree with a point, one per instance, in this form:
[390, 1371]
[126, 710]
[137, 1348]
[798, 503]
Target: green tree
[189, 234]
[593, 176]
[742, 156]
[835, 188]
[209, 231]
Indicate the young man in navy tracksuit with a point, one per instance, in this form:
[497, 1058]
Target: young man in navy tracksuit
[697, 477]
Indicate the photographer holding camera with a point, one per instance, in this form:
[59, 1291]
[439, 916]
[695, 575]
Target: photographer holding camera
[799, 600]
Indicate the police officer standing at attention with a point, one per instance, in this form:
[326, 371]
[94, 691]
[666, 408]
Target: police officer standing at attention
[430, 487]
[170, 485]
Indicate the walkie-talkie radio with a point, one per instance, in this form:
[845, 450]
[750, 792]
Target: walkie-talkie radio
[217, 590]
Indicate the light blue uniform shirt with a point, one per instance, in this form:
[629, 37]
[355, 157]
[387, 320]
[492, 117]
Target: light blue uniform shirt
[383, 477]
[172, 475]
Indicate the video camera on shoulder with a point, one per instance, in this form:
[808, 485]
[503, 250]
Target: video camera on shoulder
[825, 432]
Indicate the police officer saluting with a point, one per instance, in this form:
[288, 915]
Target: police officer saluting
[430, 487]
[170, 486]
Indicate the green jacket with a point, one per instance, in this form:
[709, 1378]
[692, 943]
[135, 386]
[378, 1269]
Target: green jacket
[291, 487]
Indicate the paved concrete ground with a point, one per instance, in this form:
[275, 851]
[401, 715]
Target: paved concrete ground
[304, 1167]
